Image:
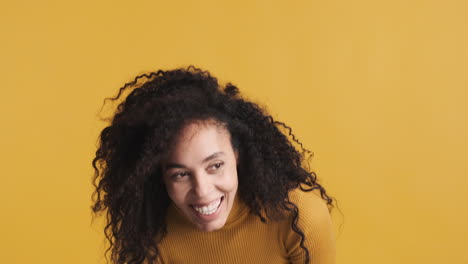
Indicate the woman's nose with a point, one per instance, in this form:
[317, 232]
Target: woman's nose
[202, 185]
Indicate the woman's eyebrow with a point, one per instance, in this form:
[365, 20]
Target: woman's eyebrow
[213, 156]
[173, 166]
[180, 166]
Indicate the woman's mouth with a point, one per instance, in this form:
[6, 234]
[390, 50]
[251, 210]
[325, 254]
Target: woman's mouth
[210, 208]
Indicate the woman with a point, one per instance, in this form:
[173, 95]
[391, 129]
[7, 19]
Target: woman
[190, 172]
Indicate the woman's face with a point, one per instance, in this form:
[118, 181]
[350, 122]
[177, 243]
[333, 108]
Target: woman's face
[200, 174]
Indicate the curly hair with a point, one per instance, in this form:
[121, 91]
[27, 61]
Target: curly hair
[128, 178]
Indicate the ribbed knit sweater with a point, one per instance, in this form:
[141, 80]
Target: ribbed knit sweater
[245, 239]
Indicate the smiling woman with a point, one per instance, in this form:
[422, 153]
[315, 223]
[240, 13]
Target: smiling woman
[190, 172]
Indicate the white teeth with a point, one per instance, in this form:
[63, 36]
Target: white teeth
[209, 209]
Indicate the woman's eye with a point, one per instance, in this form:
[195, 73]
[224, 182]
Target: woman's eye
[216, 166]
[179, 175]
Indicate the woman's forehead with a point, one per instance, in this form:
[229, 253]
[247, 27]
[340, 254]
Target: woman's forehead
[197, 141]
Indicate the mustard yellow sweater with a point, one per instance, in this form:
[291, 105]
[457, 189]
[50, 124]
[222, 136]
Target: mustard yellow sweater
[245, 239]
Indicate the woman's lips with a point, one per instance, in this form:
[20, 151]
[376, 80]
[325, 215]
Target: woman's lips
[209, 209]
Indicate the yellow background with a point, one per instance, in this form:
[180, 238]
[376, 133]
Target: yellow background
[376, 89]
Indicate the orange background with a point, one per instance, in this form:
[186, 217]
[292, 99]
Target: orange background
[376, 89]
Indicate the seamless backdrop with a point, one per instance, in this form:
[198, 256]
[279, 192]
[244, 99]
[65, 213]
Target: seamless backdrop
[376, 89]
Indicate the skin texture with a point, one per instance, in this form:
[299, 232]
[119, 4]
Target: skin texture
[201, 169]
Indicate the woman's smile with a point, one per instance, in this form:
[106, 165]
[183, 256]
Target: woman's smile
[209, 209]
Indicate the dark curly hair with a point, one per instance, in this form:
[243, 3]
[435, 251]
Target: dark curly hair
[128, 178]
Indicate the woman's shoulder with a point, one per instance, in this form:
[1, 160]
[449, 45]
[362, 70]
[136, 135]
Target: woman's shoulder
[313, 212]
[309, 202]
[315, 223]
